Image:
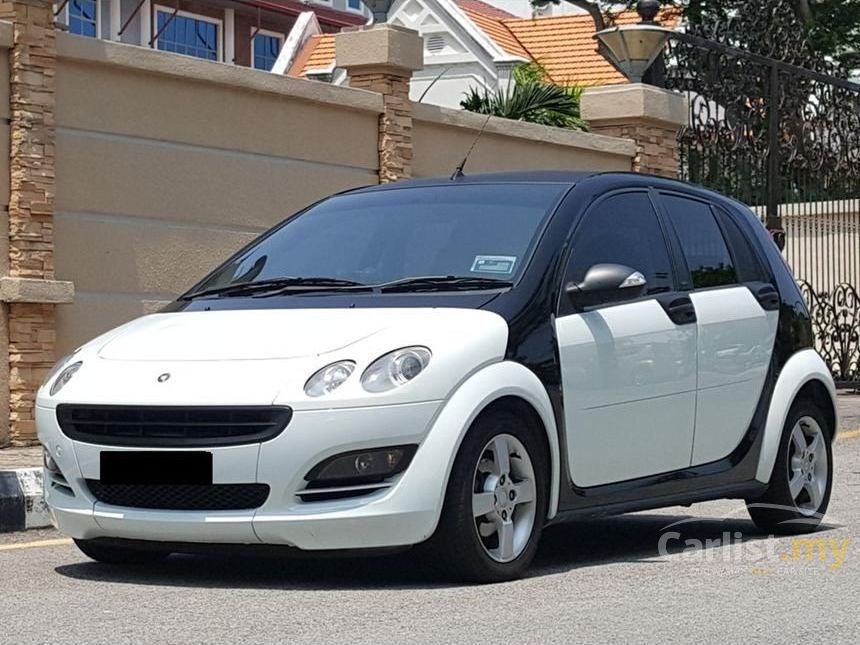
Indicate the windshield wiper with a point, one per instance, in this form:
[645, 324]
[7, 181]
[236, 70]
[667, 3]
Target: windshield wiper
[444, 283]
[274, 285]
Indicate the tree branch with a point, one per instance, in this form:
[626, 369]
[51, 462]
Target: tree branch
[805, 11]
[593, 8]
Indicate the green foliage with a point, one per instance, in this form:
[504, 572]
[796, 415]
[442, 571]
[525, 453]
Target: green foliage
[531, 97]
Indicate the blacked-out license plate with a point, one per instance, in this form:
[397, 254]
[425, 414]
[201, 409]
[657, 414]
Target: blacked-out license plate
[156, 467]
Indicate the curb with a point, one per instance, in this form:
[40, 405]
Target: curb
[22, 505]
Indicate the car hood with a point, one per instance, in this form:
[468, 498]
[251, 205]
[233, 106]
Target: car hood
[242, 335]
[261, 357]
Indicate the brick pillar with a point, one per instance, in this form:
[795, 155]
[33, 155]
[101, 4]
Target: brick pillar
[381, 59]
[651, 116]
[29, 289]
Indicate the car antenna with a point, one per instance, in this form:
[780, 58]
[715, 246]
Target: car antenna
[458, 171]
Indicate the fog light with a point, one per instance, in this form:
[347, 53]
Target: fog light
[49, 463]
[362, 466]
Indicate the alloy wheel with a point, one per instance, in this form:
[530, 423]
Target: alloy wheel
[503, 498]
[807, 465]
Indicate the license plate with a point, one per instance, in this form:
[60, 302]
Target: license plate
[156, 467]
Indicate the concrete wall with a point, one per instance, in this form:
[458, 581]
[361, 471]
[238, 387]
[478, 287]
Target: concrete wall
[166, 164]
[442, 136]
[822, 241]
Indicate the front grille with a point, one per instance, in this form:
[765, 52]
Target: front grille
[165, 426]
[181, 497]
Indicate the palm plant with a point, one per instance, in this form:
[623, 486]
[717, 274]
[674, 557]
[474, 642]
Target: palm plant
[531, 97]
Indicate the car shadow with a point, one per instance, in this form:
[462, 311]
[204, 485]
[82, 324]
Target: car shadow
[564, 547]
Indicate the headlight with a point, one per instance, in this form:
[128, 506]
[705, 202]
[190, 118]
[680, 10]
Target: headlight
[59, 365]
[329, 378]
[395, 369]
[64, 377]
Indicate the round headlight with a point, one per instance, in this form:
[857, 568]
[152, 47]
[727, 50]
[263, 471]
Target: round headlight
[329, 378]
[395, 369]
[64, 377]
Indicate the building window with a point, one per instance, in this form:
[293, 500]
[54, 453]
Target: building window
[84, 17]
[266, 46]
[188, 34]
[354, 5]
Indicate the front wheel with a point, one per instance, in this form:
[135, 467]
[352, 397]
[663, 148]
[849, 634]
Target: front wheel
[799, 490]
[496, 502]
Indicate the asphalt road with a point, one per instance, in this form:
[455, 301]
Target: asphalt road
[593, 581]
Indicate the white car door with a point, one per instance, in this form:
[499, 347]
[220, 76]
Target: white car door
[737, 310]
[629, 368]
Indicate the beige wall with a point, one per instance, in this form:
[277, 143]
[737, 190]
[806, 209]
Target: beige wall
[442, 136]
[823, 242]
[166, 164]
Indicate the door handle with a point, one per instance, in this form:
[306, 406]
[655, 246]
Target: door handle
[767, 296]
[680, 309]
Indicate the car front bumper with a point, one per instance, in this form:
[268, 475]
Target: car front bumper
[403, 514]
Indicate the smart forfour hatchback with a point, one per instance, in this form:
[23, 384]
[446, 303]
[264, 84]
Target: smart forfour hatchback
[451, 364]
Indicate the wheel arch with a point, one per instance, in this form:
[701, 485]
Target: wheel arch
[506, 384]
[804, 375]
[816, 391]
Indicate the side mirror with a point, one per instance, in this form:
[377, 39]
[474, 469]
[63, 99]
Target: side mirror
[607, 283]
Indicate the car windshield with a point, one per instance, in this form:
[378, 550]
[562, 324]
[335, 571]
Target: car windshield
[482, 232]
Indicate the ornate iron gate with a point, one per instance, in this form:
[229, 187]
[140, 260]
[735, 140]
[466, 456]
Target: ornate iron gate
[773, 126]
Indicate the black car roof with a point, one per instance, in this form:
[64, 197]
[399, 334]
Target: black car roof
[562, 177]
[531, 176]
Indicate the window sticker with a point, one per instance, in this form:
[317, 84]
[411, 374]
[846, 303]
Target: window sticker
[494, 264]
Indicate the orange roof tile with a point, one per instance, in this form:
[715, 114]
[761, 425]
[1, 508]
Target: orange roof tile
[317, 53]
[494, 26]
[485, 8]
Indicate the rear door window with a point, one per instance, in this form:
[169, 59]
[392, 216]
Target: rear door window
[747, 263]
[708, 258]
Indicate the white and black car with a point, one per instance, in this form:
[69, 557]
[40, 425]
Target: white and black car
[451, 364]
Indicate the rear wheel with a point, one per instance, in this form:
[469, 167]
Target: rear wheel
[496, 502]
[799, 490]
[115, 554]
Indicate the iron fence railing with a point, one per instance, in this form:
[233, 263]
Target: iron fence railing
[773, 125]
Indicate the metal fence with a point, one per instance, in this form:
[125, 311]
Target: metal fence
[772, 125]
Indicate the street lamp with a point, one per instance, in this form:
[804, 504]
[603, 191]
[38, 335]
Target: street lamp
[633, 48]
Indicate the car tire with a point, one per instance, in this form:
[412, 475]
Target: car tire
[798, 493]
[515, 496]
[115, 554]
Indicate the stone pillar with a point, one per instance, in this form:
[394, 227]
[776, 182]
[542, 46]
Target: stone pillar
[29, 291]
[381, 59]
[651, 116]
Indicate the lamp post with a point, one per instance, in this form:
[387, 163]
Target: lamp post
[634, 48]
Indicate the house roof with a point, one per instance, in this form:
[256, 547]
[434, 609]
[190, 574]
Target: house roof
[563, 45]
[492, 21]
[317, 53]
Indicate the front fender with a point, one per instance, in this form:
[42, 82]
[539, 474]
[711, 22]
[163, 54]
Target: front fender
[801, 368]
[430, 469]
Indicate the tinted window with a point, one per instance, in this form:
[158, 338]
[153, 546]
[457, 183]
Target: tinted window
[702, 242]
[371, 238]
[747, 263]
[623, 229]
